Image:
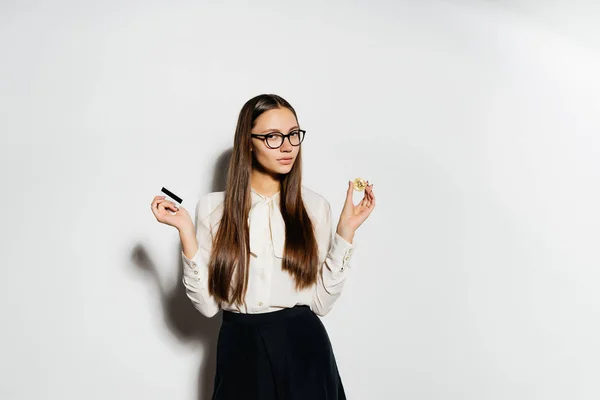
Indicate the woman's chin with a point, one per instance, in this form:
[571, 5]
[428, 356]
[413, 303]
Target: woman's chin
[283, 169]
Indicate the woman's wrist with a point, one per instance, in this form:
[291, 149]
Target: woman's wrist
[188, 242]
[187, 232]
[346, 234]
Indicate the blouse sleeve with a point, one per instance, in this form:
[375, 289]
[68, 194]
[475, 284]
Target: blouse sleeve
[334, 270]
[195, 270]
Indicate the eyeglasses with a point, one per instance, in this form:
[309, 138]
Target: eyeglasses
[275, 140]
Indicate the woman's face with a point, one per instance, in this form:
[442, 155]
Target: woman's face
[282, 159]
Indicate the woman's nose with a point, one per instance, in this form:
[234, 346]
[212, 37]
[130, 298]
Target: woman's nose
[286, 146]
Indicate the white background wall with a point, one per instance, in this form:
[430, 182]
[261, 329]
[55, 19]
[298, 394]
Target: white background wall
[475, 277]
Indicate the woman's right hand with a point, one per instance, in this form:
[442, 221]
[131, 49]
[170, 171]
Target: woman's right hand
[162, 208]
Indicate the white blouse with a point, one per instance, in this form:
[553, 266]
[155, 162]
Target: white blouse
[269, 287]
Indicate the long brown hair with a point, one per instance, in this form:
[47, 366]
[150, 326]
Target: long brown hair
[230, 257]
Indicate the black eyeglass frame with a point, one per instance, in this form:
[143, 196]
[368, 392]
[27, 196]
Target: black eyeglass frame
[283, 137]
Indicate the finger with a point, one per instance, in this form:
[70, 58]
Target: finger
[368, 204]
[161, 206]
[349, 200]
[158, 202]
[155, 208]
[371, 194]
[158, 209]
[367, 210]
[366, 194]
[169, 204]
[156, 198]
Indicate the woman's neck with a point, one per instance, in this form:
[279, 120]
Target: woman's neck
[264, 184]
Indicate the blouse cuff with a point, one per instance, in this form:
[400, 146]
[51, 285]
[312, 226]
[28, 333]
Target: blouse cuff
[341, 250]
[191, 273]
[191, 262]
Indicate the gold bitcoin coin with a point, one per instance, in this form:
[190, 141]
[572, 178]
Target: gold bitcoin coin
[360, 184]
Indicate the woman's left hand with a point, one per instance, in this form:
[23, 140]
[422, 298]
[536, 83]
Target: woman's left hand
[354, 215]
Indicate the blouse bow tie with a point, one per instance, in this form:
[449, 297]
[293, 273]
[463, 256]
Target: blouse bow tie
[266, 225]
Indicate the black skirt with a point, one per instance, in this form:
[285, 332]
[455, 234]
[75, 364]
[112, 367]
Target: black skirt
[283, 355]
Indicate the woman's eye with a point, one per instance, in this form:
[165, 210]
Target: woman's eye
[294, 133]
[271, 136]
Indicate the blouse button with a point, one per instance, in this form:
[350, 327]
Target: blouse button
[260, 303]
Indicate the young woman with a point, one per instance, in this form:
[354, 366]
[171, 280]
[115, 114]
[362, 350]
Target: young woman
[264, 252]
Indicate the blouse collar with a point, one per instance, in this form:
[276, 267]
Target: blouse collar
[265, 216]
[272, 197]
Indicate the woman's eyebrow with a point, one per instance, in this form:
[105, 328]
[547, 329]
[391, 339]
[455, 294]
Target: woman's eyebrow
[291, 129]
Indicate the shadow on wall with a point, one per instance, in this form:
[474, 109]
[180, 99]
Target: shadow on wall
[183, 320]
